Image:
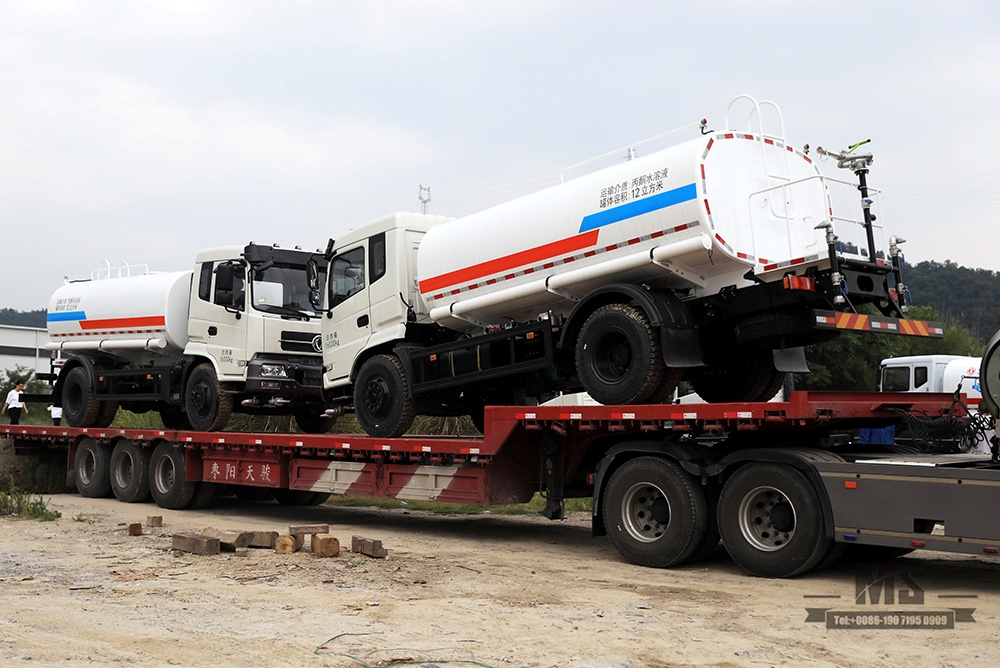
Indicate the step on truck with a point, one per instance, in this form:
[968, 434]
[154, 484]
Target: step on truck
[237, 333]
[712, 261]
[784, 484]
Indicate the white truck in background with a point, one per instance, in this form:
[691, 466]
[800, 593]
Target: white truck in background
[235, 334]
[932, 373]
[714, 260]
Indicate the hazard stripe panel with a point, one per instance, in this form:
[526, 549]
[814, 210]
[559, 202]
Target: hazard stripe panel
[859, 322]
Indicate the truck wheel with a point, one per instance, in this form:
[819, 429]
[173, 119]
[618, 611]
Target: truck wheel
[771, 521]
[655, 513]
[738, 376]
[208, 406]
[293, 497]
[382, 400]
[106, 414]
[174, 418]
[618, 355]
[167, 482]
[314, 422]
[130, 472]
[79, 403]
[93, 468]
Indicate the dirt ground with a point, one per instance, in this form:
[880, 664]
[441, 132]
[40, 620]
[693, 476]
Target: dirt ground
[484, 590]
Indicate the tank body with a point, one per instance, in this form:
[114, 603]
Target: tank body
[695, 216]
[124, 316]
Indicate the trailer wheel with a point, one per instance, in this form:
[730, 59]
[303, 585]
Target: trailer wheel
[248, 494]
[771, 521]
[739, 375]
[93, 468]
[382, 400]
[312, 421]
[319, 498]
[293, 497]
[130, 472]
[710, 539]
[167, 482]
[655, 513]
[208, 406]
[106, 413]
[618, 355]
[79, 402]
[203, 494]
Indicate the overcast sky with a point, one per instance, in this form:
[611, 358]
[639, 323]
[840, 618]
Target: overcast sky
[142, 131]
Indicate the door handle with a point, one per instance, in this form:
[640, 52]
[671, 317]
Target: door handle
[363, 321]
[213, 330]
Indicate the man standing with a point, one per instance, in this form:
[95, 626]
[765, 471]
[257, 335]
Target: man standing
[13, 405]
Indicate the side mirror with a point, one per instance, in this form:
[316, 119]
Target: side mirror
[316, 300]
[312, 275]
[224, 278]
[328, 253]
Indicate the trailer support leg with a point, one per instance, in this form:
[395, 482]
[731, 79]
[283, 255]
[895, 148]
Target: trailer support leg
[555, 479]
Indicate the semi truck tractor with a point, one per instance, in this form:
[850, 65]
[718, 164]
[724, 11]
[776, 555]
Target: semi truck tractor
[714, 260]
[237, 333]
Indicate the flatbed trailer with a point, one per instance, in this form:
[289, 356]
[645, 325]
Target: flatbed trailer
[785, 484]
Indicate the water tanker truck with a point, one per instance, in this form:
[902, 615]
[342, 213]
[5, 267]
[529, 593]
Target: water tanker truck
[236, 333]
[714, 261]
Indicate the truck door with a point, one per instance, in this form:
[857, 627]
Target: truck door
[217, 319]
[346, 334]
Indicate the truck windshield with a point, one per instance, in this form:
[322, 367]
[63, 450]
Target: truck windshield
[282, 288]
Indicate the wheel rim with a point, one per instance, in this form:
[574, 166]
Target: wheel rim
[767, 518]
[163, 475]
[123, 471]
[201, 399]
[645, 512]
[377, 397]
[612, 357]
[88, 468]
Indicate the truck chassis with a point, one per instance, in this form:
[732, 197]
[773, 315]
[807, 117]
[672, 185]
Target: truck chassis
[784, 484]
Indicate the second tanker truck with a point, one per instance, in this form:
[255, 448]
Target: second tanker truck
[235, 334]
[714, 260]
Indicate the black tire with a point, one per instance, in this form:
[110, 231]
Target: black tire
[92, 468]
[618, 356]
[382, 400]
[710, 539]
[249, 494]
[79, 401]
[312, 421]
[203, 494]
[130, 472]
[771, 521]
[738, 375]
[106, 414]
[319, 498]
[208, 406]
[293, 497]
[655, 513]
[174, 418]
[781, 329]
[167, 482]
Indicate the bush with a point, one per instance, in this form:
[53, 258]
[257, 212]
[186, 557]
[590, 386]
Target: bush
[16, 502]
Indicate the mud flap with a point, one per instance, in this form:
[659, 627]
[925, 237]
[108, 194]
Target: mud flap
[681, 346]
[791, 360]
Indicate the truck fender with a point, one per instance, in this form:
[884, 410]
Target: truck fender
[678, 329]
[803, 459]
[690, 456]
[83, 361]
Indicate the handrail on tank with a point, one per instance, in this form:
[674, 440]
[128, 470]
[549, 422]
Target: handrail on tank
[630, 148]
[124, 270]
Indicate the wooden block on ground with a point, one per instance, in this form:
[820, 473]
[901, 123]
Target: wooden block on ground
[308, 529]
[372, 548]
[325, 545]
[135, 529]
[228, 540]
[195, 543]
[288, 544]
[154, 520]
[263, 539]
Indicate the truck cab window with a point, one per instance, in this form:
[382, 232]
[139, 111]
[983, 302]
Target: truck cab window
[205, 282]
[919, 377]
[896, 379]
[347, 275]
[376, 253]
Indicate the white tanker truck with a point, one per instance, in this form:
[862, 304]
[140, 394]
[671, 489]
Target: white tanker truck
[237, 333]
[715, 261]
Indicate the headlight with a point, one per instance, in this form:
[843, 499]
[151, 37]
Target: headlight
[273, 371]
